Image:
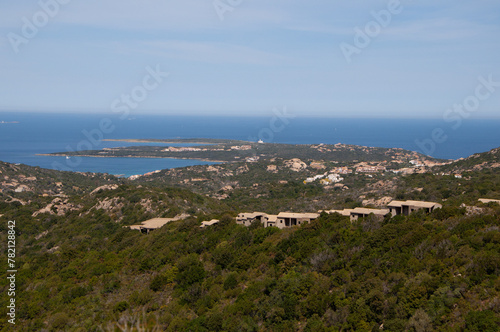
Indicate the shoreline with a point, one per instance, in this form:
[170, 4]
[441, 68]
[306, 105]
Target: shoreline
[170, 141]
[129, 156]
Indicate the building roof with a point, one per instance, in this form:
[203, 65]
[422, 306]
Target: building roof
[381, 212]
[298, 215]
[488, 200]
[396, 204]
[420, 204]
[209, 223]
[272, 217]
[251, 215]
[157, 222]
[344, 212]
[135, 227]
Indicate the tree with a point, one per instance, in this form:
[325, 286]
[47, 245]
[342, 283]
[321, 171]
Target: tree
[482, 321]
[420, 322]
[190, 271]
[230, 281]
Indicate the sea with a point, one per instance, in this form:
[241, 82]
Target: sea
[23, 136]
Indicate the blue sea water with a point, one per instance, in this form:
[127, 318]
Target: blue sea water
[37, 133]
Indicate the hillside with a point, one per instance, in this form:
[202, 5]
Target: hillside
[475, 162]
[302, 185]
[35, 180]
[81, 270]
[436, 272]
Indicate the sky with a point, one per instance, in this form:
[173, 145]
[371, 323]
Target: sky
[324, 58]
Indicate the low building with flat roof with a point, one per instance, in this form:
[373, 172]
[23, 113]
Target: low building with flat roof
[358, 212]
[151, 224]
[282, 220]
[407, 207]
[289, 219]
[209, 223]
[344, 212]
[247, 218]
[155, 223]
[488, 200]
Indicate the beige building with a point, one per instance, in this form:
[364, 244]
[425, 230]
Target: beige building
[358, 212]
[407, 207]
[488, 200]
[271, 220]
[282, 220]
[287, 219]
[151, 224]
[344, 212]
[247, 218]
[209, 223]
[155, 223]
[370, 169]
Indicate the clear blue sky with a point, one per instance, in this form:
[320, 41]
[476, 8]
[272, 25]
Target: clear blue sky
[264, 54]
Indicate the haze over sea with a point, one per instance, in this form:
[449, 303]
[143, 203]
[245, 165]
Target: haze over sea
[37, 133]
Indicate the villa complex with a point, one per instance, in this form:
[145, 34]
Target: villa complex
[407, 207]
[287, 219]
[281, 220]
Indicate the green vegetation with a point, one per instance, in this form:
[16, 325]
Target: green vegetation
[478, 161]
[420, 272]
[50, 182]
[80, 269]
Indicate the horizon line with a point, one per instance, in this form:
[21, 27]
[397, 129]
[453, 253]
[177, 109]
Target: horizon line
[234, 115]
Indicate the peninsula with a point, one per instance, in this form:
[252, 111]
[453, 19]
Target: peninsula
[220, 150]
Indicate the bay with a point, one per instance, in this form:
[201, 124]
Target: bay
[37, 133]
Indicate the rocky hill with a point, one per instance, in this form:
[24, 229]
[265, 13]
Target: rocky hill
[20, 178]
[475, 162]
[80, 269]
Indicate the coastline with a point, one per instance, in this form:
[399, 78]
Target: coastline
[173, 141]
[129, 156]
